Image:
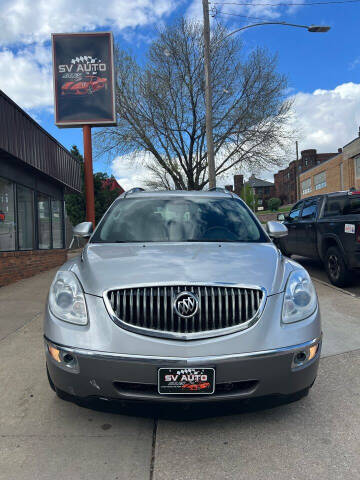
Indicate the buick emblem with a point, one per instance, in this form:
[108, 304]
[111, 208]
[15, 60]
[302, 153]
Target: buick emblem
[186, 304]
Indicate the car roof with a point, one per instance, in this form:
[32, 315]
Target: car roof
[179, 193]
[342, 193]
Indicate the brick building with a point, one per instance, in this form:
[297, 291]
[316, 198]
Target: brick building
[341, 172]
[285, 180]
[262, 188]
[111, 184]
[35, 172]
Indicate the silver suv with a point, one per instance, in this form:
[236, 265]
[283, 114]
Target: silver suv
[181, 296]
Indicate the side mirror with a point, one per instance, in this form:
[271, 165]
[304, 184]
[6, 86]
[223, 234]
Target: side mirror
[276, 229]
[83, 230]
[281, 217]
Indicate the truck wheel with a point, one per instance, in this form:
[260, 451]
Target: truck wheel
[336, 268]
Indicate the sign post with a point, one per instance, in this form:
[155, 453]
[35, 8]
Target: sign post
[88, 175]
[84, 91]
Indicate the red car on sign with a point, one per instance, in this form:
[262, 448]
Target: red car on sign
[196, 386]
[85, 86]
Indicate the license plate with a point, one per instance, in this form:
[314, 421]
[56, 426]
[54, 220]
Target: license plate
[186, 381]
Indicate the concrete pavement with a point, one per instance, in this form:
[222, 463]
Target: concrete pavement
[43, 437]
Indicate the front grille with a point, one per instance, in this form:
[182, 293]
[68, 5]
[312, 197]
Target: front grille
[151, 308]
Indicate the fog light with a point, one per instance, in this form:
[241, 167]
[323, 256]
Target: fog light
[65, 360]
[300, 358]
[68, 358]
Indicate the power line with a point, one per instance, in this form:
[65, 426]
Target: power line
[216, 13]
[335, 2]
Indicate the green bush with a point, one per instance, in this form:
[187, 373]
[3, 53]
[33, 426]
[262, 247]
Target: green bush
[274, 204]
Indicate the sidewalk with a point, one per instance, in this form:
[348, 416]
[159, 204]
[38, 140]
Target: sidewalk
[24, 300]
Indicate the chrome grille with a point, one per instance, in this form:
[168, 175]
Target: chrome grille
[150, 309]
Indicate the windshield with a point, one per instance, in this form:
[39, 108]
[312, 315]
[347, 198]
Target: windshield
[178, 220]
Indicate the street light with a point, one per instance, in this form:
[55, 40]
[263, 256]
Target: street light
[208, 86]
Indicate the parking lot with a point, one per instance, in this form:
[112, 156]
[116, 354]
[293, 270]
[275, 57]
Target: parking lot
[42, 437]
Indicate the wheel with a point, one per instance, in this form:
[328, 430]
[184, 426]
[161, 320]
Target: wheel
[336, 268]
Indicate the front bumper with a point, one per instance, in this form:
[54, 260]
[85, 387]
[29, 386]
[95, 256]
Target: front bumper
[134, 377]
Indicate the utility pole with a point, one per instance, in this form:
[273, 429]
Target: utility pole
[208, 85]
[208, 97]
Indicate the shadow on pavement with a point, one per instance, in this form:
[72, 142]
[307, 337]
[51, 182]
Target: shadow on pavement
[185, 411]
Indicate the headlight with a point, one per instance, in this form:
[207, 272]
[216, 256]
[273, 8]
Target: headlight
[300, 299]
[66, 299]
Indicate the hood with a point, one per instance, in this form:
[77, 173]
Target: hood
[109, 266]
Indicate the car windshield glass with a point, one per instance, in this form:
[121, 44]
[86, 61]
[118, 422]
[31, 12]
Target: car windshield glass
[178, 220]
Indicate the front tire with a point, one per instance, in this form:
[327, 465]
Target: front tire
[336, 269]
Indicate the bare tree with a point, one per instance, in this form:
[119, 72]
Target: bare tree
[161, 108]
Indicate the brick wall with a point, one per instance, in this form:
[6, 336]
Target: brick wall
[18, 265]
[285, 180]
[333, 177]
[350, 151]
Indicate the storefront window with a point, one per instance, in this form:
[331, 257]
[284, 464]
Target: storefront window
[57, 223]
[25, 204]
[7, 216]
[44, 221]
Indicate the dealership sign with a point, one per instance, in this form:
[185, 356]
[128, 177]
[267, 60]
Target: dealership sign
[83, 72]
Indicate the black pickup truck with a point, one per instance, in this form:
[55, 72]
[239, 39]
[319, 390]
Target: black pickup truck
[326, 227]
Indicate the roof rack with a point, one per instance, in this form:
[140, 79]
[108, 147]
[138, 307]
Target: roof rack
[219, 189]
[133, 190]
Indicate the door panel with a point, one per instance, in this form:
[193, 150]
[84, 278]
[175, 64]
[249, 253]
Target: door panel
[291, 223]
[306, 229]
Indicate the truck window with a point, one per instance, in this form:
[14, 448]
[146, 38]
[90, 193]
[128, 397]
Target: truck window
[335, 206]
[295, 212]
[309, 210]
[352, 207]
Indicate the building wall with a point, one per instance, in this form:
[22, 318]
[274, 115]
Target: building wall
[22, 138]
[333, 177]
[285, 180]
[17, 265]
[350, 152]
[337, 177]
